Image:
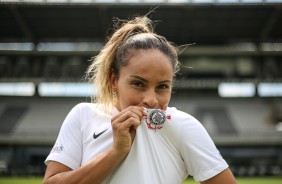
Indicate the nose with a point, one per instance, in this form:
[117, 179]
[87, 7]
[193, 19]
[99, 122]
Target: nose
[150, 99]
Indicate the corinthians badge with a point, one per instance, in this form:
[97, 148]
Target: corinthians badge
[156, 118]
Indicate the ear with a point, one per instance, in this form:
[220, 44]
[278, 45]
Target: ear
[113, 81]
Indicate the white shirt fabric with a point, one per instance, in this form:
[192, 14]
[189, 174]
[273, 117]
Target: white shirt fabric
[168, 155]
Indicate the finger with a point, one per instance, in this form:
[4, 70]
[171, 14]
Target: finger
[126, 123]
[132, 122]
[132, 111]
[129, 115]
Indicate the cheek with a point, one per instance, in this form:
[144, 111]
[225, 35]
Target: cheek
[128, 97]
[164, 100]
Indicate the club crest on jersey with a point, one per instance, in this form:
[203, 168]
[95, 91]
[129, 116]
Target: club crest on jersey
[156, 118]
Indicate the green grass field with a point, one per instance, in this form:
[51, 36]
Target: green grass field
[245, 180]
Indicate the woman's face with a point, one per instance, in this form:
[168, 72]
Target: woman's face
[145, 81]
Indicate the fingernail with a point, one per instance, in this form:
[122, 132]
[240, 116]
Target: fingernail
[145, 110]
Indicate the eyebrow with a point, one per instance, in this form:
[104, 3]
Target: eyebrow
[146, 81]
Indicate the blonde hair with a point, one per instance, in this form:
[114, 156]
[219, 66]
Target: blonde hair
[117, 51]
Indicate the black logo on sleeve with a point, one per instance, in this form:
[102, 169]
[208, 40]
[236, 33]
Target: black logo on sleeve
[95, 136]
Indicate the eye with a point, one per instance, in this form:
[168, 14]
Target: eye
[163, 86]
[137, 84]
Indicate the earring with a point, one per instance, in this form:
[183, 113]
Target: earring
[114, 94]
[114, 97]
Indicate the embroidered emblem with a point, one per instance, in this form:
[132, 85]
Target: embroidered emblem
[156, 118]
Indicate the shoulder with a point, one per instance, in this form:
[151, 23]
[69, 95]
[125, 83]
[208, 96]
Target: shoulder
[187, 125]
[85, 106]
[84, 114]
[197, 149]
[181, 117]
[83, 111]
[88, 108]
[90, 111]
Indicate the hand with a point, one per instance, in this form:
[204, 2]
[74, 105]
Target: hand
[124, 127]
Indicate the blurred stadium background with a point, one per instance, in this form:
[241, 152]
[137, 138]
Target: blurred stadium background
[231, 78]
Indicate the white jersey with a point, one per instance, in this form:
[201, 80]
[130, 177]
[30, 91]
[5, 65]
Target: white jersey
[168, 155]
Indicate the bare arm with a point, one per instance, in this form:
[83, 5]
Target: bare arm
[93, 172]
[124, 127]
[225, 177]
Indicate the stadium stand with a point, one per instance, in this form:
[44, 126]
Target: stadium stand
[236, 42]
[227, 121]
[10, 117]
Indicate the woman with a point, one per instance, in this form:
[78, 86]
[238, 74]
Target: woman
[122, 138]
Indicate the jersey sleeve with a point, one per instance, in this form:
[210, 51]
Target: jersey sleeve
[202, 158]
[68, 146]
